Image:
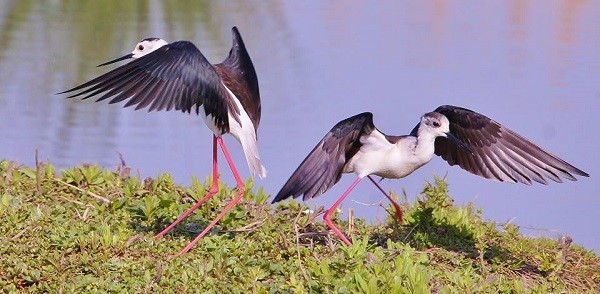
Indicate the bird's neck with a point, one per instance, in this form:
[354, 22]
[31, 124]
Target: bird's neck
[425, 144]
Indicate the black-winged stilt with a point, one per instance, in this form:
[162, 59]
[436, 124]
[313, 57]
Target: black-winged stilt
[460, 136]
[165, 76]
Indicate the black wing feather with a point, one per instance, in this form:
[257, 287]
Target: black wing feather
[323, 166]
[175, 76]
[498, 152]
[238, 74]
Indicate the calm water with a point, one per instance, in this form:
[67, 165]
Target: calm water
[532, 65]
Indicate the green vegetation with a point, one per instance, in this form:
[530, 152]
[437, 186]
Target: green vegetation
[91, 230]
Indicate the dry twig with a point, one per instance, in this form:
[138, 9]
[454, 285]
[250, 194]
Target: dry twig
[105, 200]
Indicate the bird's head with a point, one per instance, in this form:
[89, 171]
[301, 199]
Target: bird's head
[438, 125]
[146, 46]
[142, 48]
[435, 124]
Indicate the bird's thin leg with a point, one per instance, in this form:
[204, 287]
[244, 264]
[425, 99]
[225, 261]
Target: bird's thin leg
[214, 188]
[241, 190]
[394, 203]
[327, 216]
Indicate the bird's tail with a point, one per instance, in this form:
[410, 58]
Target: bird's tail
[244, 131]
[250, 147]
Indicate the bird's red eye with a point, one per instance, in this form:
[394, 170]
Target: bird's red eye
[140, 47]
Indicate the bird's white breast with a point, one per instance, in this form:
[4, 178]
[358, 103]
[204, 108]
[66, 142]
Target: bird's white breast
[380, 157]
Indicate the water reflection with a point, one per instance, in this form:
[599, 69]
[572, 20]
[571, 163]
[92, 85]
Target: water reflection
[532, 65]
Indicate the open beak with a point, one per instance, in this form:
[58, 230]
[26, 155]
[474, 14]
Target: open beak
[458, 142]
[130, 55]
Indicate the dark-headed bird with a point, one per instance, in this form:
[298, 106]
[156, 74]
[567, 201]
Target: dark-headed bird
[176, 76]
[460, 136]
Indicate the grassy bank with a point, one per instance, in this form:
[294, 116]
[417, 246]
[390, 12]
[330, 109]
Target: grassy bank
[86, 229]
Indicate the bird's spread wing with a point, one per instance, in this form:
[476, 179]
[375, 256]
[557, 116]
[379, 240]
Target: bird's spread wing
[175, 76]
[498, 152]
[323, 167]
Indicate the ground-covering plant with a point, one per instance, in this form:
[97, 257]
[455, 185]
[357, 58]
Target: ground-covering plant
[88, 229]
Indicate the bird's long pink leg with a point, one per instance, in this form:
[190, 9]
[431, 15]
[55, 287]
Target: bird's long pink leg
[327, 216]
[214, 188]
[241, 189]
[397, 207]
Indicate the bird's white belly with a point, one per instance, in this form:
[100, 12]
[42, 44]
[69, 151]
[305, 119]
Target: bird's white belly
[210, 123]
[392, 161]
[209, 120]
[390, 165]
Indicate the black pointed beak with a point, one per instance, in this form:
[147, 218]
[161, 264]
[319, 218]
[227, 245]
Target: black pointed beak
[458, 142]
[130, 55]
